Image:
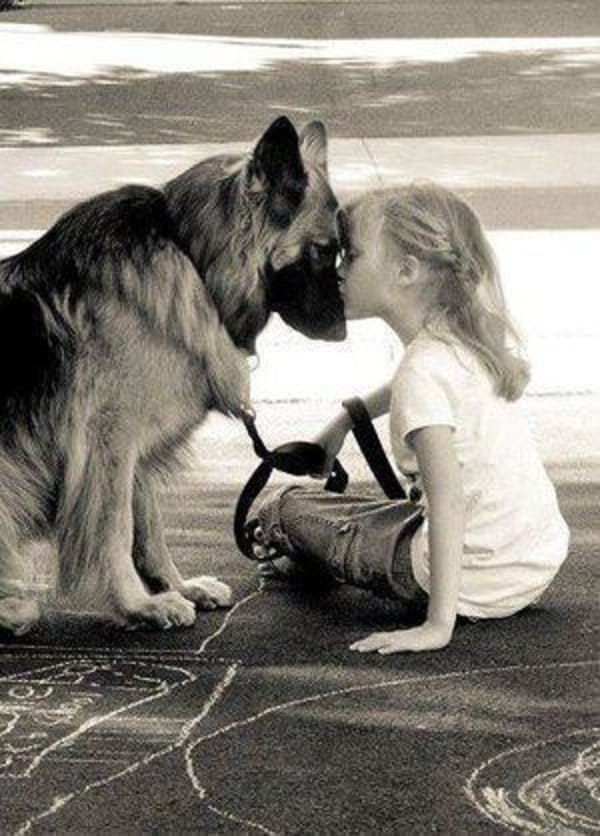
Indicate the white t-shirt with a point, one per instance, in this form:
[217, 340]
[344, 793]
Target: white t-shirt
[515, 537]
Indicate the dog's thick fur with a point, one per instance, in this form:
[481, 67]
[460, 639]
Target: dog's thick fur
[119, 329]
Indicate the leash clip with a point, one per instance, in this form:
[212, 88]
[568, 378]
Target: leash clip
[248, 412]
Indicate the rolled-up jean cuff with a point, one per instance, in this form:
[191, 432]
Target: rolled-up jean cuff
[363, 540]
[378, 556]
[269, 518]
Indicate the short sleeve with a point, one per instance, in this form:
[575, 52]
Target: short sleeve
[420, 398]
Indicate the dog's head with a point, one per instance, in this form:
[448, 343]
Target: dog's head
[286, 179]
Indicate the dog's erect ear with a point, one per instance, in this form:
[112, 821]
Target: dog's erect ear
[276, 158]
[313, 144]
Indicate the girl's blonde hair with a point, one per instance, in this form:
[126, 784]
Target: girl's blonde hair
[440, 229]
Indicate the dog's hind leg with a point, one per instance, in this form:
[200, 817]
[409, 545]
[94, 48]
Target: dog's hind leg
[152, 557]
[95, 534]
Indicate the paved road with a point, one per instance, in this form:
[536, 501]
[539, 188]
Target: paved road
[326, 19]
[544, 216]
[380, 71]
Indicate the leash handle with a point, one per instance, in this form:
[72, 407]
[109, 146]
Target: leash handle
[299, 458]
[251, 490]
[337, 482]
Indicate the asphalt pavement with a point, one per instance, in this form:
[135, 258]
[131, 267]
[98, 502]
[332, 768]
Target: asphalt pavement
[261, 719]
[323, 18]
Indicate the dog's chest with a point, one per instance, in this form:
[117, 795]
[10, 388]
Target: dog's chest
[176, 402]
[160, 392]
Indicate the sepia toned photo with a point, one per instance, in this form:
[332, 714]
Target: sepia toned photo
[299, 417]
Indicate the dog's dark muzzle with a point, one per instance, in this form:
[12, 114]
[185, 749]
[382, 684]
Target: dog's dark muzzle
[306, 294]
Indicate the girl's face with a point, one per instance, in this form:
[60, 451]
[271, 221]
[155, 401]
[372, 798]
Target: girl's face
[364, 267]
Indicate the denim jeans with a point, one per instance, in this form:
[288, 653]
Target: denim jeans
[358, 539]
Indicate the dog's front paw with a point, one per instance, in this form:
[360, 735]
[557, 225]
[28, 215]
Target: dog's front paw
[168, 609]
[207, 593]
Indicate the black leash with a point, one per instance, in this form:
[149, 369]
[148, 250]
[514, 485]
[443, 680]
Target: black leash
[301, 458]
[298, 458]
[370, 446]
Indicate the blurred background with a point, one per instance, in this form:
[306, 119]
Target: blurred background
[498, 100]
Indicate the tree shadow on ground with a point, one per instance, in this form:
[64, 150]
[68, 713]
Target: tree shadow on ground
[523, 92]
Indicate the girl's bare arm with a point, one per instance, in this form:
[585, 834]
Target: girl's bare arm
[332, 436]
[442, 483]
[377, 402]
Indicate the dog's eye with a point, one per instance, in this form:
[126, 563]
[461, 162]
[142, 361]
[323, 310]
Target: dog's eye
[323, 255]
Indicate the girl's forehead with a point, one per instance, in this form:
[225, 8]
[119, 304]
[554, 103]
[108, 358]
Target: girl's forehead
[359, 221]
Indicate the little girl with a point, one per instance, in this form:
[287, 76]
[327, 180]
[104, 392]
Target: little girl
[489, 537]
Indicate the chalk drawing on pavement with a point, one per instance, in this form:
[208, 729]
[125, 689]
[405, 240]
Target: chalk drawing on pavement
[101, 715]
[194, 745]
[561, 797]
[44, 711]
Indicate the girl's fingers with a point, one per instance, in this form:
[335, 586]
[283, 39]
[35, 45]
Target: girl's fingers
[372, 642]
[391, 648]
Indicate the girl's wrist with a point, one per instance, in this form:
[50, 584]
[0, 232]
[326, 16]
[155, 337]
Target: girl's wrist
[444, 627]
[342, 421]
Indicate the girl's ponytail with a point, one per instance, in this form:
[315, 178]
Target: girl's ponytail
[440, 229]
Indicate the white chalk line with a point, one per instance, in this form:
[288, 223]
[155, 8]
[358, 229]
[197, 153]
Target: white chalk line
[226, 814]
[498, 807]
[390, 684]
[225, 623]
[199, 789]
[8, 677]
[10, 725]
[61, 801]
[155, 655]
[201, 792]
[160, 691]
[544, 786]
[407, 680]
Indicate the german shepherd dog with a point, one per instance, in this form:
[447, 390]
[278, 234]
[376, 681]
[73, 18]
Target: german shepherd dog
[119, 329]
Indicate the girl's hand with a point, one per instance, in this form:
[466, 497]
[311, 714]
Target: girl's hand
[331, 439]
[426, 637]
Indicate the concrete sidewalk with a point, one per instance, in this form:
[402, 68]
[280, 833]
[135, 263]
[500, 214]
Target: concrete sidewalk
[548, 181]
[535, 161]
